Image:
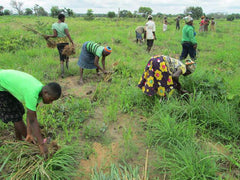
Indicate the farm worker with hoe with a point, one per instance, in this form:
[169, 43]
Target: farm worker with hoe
[62, 35]
[161, 75]
[150, 33]
[139, 31]
[189, 43]
[16, 86]
[89, 58]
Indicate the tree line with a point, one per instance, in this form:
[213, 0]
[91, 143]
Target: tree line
[195, 12]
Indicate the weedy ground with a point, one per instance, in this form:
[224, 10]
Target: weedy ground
[105, 127]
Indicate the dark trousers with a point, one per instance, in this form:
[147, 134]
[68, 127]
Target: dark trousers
[187, 48]
[60, 48]
[177, 26]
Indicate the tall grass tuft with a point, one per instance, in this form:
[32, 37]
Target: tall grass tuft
[26, 163]
[118, 172]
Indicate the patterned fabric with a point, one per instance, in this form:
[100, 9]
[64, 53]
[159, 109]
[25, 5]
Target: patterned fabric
[10, 108]
[22, 86]
[174, 64]
[60, 40]
[156, 78]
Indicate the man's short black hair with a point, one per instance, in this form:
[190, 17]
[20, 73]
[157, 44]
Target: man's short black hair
[61, 16]
[53, 89]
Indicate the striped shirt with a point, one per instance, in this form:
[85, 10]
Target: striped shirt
[95, 48]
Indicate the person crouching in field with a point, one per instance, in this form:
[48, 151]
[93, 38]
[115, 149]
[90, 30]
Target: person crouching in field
[89, 58]
[161, 75]
[139, 31]
[189, 43]
[16, 86]
[61, 33]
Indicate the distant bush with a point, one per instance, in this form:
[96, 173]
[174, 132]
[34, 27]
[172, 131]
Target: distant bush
[89, 16]
[111, 14]
[230, 18]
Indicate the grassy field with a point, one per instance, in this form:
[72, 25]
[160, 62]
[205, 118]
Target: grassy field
[105, 127]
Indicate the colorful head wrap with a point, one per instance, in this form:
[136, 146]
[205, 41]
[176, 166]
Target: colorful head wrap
[107, 49]
[188, 19]
[190, 65]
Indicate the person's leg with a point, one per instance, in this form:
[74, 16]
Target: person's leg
[192, 52]
[184, 51]
[67, 62]
[62, 68]
[149, 44]
[20, 130]
[81, 76]
[97, 71]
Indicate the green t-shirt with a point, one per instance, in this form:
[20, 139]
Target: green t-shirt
[22, 86]
[188, 34]
[95, 48]
[60, 27]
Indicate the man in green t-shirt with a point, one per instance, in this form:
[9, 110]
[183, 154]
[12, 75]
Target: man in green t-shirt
[17, 87]
[189, 43]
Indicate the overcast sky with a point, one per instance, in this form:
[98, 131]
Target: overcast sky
[104, 6]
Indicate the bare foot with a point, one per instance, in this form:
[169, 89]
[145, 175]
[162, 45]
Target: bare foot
[80, 82]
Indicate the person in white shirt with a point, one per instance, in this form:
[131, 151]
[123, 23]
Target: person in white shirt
[149, 34]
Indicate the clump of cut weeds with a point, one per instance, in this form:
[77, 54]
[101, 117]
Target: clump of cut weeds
[24, 162]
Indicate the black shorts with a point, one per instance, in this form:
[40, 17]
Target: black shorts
[60, 48]
[150, 42]
[10, 108]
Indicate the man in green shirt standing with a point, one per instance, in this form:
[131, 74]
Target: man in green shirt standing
[189, 43]
[17, 87]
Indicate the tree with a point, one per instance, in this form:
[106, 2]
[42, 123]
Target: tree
[42, 12]
[89, 15]
[145, 10]
[159, 15]
[125, 13]
[17, 5]
[39, 11]
[111, 14]
[1, 10]
[195, 12]
[230, 17]
[6, 12]
[69, 12]
[28, 11]
[55, 11]
[236, 16]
